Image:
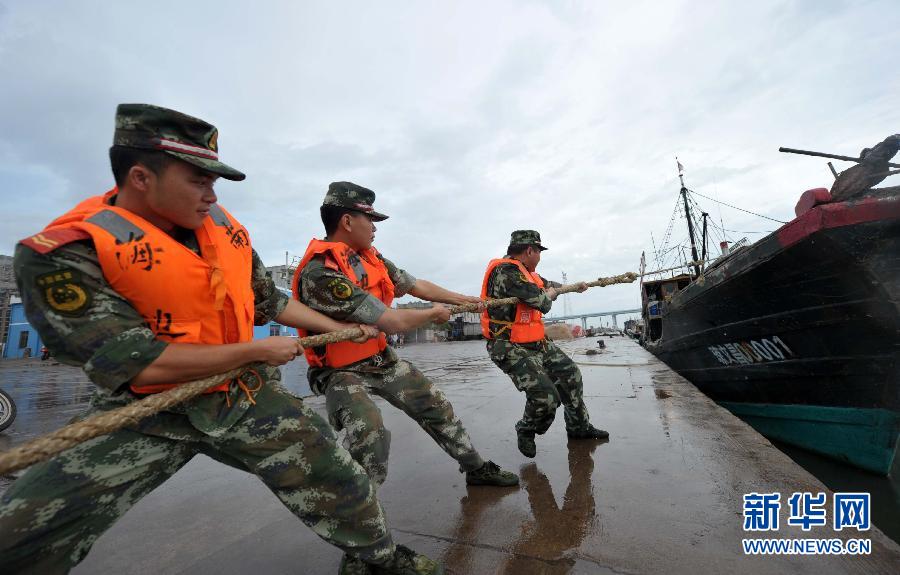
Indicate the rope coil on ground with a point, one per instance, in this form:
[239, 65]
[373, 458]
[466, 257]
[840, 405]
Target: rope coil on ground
[47, 446]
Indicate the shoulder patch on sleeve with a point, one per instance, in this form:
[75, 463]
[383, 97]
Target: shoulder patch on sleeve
[340, 289]
[49, 240]
[64, 291]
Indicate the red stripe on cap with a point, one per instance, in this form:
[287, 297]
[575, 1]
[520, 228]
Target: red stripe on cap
[187, 149]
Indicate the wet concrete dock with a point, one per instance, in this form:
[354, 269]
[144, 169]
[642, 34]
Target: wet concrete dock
[664, 495]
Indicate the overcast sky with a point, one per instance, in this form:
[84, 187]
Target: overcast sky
[468, 119]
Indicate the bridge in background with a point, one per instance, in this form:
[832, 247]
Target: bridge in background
[584, 316]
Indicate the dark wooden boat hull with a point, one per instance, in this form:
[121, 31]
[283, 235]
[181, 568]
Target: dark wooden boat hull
[800, 332]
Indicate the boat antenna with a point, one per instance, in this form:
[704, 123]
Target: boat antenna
[687, 213]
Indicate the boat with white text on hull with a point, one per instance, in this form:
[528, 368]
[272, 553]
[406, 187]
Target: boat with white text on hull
[799, 333]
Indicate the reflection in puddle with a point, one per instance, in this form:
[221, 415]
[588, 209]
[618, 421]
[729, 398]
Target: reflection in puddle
[553, 534]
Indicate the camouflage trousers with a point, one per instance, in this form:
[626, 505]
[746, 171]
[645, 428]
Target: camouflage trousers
[50, 517]
[350, 407]
[548, 377]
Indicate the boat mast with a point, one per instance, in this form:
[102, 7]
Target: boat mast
[687, 213]
[703, 255]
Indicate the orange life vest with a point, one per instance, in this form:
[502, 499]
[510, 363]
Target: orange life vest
[377, 282]
[183, 297]
[527, 325]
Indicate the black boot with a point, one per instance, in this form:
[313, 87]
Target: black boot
[351, 565]
[526, 443]
[491, 474]
[407, 562]
[590, 433]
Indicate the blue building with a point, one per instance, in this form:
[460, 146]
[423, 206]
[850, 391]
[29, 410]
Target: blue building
[272, 328]
[22, 340]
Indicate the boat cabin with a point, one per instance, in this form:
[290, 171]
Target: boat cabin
[654, 297]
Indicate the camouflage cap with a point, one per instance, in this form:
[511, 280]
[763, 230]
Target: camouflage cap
[352, 197]
[185, 137]
[526, 238]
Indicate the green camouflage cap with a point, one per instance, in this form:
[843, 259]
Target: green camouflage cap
[352, 197]
[185, 137]
[526, 238]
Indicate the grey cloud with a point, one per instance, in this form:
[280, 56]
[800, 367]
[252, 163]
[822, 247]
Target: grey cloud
[467, 121]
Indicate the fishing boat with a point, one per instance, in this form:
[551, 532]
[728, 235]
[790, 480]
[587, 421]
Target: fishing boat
[799, 333]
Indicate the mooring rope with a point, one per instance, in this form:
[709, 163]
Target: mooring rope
[45, 447]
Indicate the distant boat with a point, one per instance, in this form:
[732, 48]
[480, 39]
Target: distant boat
[799, 333]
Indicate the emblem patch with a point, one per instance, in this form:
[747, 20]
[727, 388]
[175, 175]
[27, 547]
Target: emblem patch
[64, 292]
[214, 141]
[340, 289]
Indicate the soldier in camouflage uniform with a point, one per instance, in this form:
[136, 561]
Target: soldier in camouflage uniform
[540, 369]
[52, 515]
[322, 285]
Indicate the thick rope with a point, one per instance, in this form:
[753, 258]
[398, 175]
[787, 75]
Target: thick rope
[47, 446]
[625, 278]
